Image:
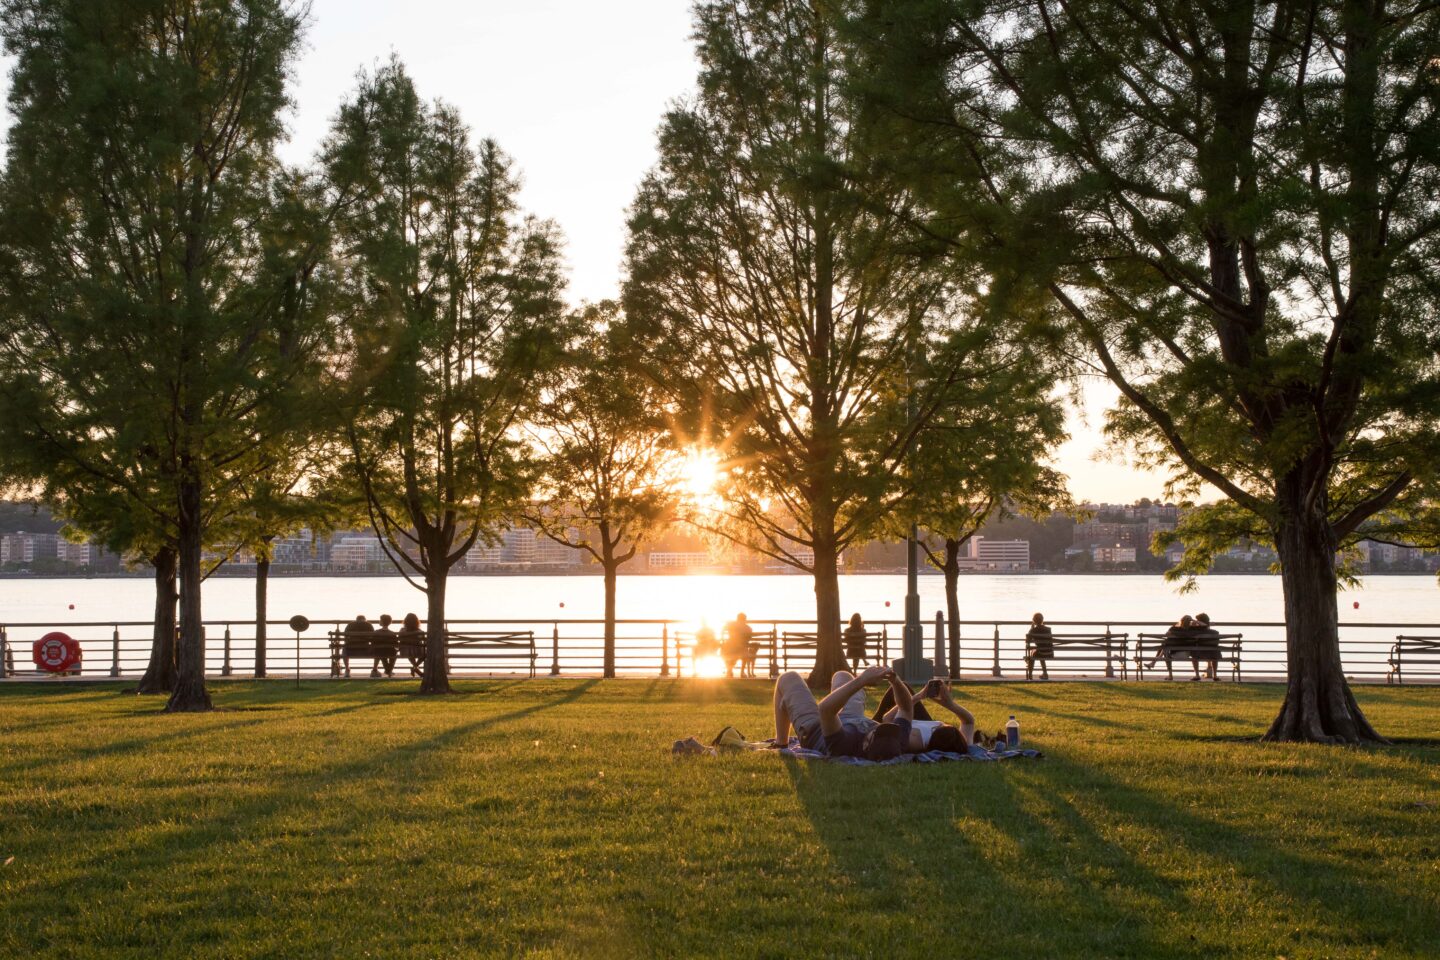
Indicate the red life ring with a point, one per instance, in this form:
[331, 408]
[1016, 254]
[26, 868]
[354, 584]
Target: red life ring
[57, 652]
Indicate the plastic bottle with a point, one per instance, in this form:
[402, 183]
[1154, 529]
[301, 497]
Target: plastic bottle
[1012, 734]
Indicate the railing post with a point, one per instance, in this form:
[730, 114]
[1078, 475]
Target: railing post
[225, 666]
[995, 667]
[115, 652]
[555, 650]
[7, 662]
[940, 668]
[1109, 665]
[665, 650]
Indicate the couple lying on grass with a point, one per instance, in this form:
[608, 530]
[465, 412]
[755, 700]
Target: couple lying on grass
[837, 725]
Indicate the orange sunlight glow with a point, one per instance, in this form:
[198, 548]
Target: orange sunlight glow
[710, 666]
[700, 473]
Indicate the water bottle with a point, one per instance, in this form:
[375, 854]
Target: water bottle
[1012, 734]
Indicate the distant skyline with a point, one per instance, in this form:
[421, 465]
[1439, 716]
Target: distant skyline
[574, 92]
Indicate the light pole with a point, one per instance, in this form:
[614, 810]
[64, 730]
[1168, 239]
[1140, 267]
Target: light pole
[913, 667]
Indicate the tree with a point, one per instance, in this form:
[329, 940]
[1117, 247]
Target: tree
[778, 287]
[606, 466]
[139, 197]
[982, 459]
[452, 309]
[1233, 209]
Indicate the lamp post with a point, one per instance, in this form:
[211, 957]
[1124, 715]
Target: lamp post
[913, 667]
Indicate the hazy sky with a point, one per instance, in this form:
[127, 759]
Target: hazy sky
[573, 90]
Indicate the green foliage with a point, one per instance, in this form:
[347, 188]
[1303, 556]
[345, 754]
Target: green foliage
[157, 267]
[452, 314]
[535, 819]
[605, 459]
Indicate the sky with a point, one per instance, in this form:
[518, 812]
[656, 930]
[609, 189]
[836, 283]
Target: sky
[573, 90]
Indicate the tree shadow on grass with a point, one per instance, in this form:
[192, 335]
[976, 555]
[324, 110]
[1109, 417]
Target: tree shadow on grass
[957, 847]
[967, 836]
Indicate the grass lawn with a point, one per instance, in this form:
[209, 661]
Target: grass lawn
[547, 819]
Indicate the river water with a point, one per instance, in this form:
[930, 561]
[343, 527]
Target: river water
[539, 601]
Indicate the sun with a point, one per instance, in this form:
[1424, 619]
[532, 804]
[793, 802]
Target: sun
[700, 473]
[710, 666]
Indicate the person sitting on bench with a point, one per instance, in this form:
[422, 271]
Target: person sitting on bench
[857, 641]
[837, 725]
[736, 649]
[357, 644]
[1042, 647]
[927, 733]
[1208, 638]
[411, 643]
[386, 645]
[1179, 636]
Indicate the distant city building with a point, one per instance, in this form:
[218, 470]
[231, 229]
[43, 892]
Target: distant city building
[356, 552]
[1112, 556]
[1009, 556]
[680, 560]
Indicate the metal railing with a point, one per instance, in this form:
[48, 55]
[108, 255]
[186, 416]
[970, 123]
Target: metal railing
[655, 647]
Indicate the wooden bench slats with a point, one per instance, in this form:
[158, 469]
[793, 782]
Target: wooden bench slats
[1412, 651]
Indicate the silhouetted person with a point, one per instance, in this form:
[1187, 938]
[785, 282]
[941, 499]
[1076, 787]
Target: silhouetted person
[386, 645]
[357, 643]
[737, 647]
[1177, 638]
[857, 641]
[1208, 639]
[411, 643]
[1042, 647]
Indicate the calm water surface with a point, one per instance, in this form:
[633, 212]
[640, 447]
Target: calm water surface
[538, 600]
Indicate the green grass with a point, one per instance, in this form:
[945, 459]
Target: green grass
[547, 819]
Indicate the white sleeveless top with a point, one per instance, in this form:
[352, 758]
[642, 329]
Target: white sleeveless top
[926, 728]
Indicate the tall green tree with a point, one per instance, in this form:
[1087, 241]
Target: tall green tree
[1233, 208]
[451, 304]
[769, 261]
[144, 326]
[607, 469]
[985, 457]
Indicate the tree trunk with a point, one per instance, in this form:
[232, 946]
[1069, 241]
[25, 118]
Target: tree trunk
[829, 652]
[436, 678]
[1319, 706]
[190, 694]
[611, 567]
[262, 585]
[160, 673]
[952, 602]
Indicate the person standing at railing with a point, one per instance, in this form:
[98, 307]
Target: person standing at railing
[1041, 644]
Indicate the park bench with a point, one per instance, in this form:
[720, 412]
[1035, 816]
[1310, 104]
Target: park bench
[877, 647]
[463, 645]
[762, 643]
[1421, 653]
[1105, 649]
[509, 645]
[807, 640]
[374, 646]
[1224, 648]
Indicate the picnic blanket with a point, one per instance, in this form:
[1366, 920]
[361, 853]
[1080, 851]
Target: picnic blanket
[731, 739]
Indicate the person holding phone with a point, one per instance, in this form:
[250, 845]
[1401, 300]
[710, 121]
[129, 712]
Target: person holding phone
[837, 725]
[927, 733]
